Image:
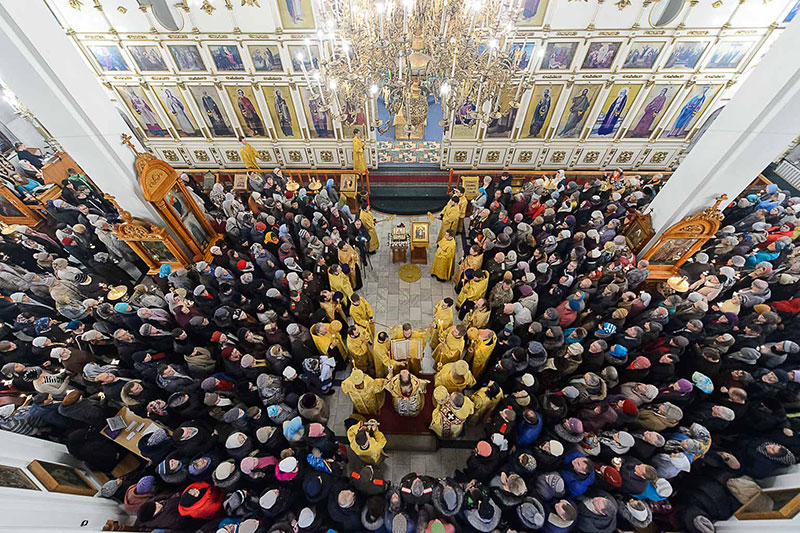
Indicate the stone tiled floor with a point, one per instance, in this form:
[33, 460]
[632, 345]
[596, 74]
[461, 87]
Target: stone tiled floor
[394, 302]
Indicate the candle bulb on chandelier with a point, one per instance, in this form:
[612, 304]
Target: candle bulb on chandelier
[380, 8]
[302, 60]
[318, 79]
[321, 38]
[453, 69]
[445, 20]
[307, 42]
[346, 50]
[400, 75]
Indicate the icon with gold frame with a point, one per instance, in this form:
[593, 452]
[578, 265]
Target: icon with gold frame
[348, 183]
[471, 184]
[420, 233]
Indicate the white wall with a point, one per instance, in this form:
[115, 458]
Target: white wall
[23, 511]
[48, 75]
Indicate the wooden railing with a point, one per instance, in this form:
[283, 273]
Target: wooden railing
[579, 176]
[303, 176]
[300, 175]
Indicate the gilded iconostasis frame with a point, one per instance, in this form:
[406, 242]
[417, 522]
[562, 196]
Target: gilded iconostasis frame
[174, 202]
[642, 91]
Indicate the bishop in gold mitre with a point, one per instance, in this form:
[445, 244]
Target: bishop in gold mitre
[408, 392]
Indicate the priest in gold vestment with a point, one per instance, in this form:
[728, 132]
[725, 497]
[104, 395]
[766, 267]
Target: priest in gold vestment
[368, 221]
[442, 320]
[366, 393]
[249, 155]
[405, 331]
[359, 159]
[445, 258]
[408, 393]
[450, 414]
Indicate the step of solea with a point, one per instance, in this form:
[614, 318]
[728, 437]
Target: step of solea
[415, 443]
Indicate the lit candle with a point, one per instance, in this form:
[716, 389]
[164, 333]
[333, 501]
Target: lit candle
[453, 69]
[321, 92]
[321, 37]
[303, 68]
[346, 48]
[521, 52]
[443, 23]
[307, 42]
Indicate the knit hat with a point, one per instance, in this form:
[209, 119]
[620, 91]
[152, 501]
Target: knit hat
[110, 488]
[550, 485]
[531, 513]
[684, 385]
[703, 382]
[556, 448]
[288, 465]
[611, 476]
[145, 485]
[630, 409]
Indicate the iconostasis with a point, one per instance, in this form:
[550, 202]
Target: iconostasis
[612, 84]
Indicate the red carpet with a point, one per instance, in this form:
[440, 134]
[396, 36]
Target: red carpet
[394, 424]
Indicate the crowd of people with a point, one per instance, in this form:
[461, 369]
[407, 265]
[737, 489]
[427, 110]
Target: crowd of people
[601, 401]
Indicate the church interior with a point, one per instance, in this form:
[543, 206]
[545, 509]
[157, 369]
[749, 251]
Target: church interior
[399, 266]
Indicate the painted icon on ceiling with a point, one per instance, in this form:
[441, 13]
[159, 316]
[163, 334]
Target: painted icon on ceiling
[558, 56]
[178, 111]
[614, 110]
[244, 102]
[690, 111]
[226, 56]
[686, 54]
[533, 12]
[600, 55]
[282, 111]
[577, 111]
[187, 57]
[540, 110]
[148, 58]
[296, 14]
[109, 58]
[521, 54]
[654, 107]
[643, 55]
[319, 120]
[143, 110]
[207, 99]
[266, 58]
[729, 54]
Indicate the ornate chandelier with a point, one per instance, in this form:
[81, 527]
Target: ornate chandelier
[459, 52]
